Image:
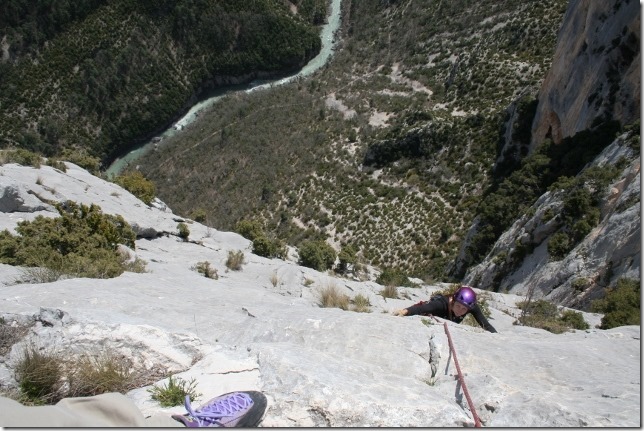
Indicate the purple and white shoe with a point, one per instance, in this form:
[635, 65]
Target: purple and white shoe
[241, 409]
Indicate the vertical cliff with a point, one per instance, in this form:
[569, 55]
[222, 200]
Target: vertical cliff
[565, 248]
[595, 73]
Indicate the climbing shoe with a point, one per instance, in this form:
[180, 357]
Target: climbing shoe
[235, 409]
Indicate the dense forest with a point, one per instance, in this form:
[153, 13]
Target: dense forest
[96, 77]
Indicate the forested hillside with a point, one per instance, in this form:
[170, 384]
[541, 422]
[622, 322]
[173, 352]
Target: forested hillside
[410, 150]
[97, 77]
[386, 151]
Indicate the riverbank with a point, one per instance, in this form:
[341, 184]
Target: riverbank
[328, 38]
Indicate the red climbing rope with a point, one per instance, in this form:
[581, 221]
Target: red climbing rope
[477, 422]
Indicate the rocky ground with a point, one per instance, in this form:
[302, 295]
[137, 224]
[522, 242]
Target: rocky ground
[262, 328]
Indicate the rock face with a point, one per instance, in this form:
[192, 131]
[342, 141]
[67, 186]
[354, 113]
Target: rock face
[13, 199]
[262, 328]
[29, 198]
[595, 72]
[610, 251]
[594, 77]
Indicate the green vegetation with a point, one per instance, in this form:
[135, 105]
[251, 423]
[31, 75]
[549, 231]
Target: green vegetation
[582, 197]
[249, 229]
[46, 376]
[102, 76]
[184, 231]
[317, 255]
[621, 304]
[39, 375]
[311, 161]
[22, 157]
[199, 215]
[551, 167]
[174, 392]
[82, 242]
[262, 244]
[361, 304]
[135, 183]
[386, 150]
[346, 258]
[545, 315]
[393, 277]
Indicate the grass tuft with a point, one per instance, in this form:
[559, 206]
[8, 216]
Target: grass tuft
[39, 374]
[361, 304]
[331, 297]
[174, 392]
[389, 291]
[92, 375]
[235, 260]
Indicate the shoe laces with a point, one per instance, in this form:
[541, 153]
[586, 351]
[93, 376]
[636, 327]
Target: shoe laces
[212, 413]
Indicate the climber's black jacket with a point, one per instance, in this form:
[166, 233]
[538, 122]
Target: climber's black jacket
[437, 306]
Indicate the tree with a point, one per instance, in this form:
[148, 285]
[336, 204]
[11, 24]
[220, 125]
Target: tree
[621, 304]
[346, 257]
[317, 255]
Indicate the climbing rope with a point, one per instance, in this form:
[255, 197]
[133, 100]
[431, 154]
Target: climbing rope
[461, 379]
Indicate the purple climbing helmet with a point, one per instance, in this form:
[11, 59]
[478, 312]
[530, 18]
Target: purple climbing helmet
[466, 296]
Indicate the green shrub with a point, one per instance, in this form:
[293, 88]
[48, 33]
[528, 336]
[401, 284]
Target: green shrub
[545, 315]
[174, 392]
[38, 275]
[393, 277]
[135, 183]
[45, 377]
[346, 257]
[22, 157]
[620, 305]
[81, 158]
[559, 245]
[235, 260]
[317, 254]
[82, 242]
[56, 164]
[199, 215]
[137, 265]
[184, 232]
[574, 319]
[580, 284]
[249, 229]
[266, 247]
